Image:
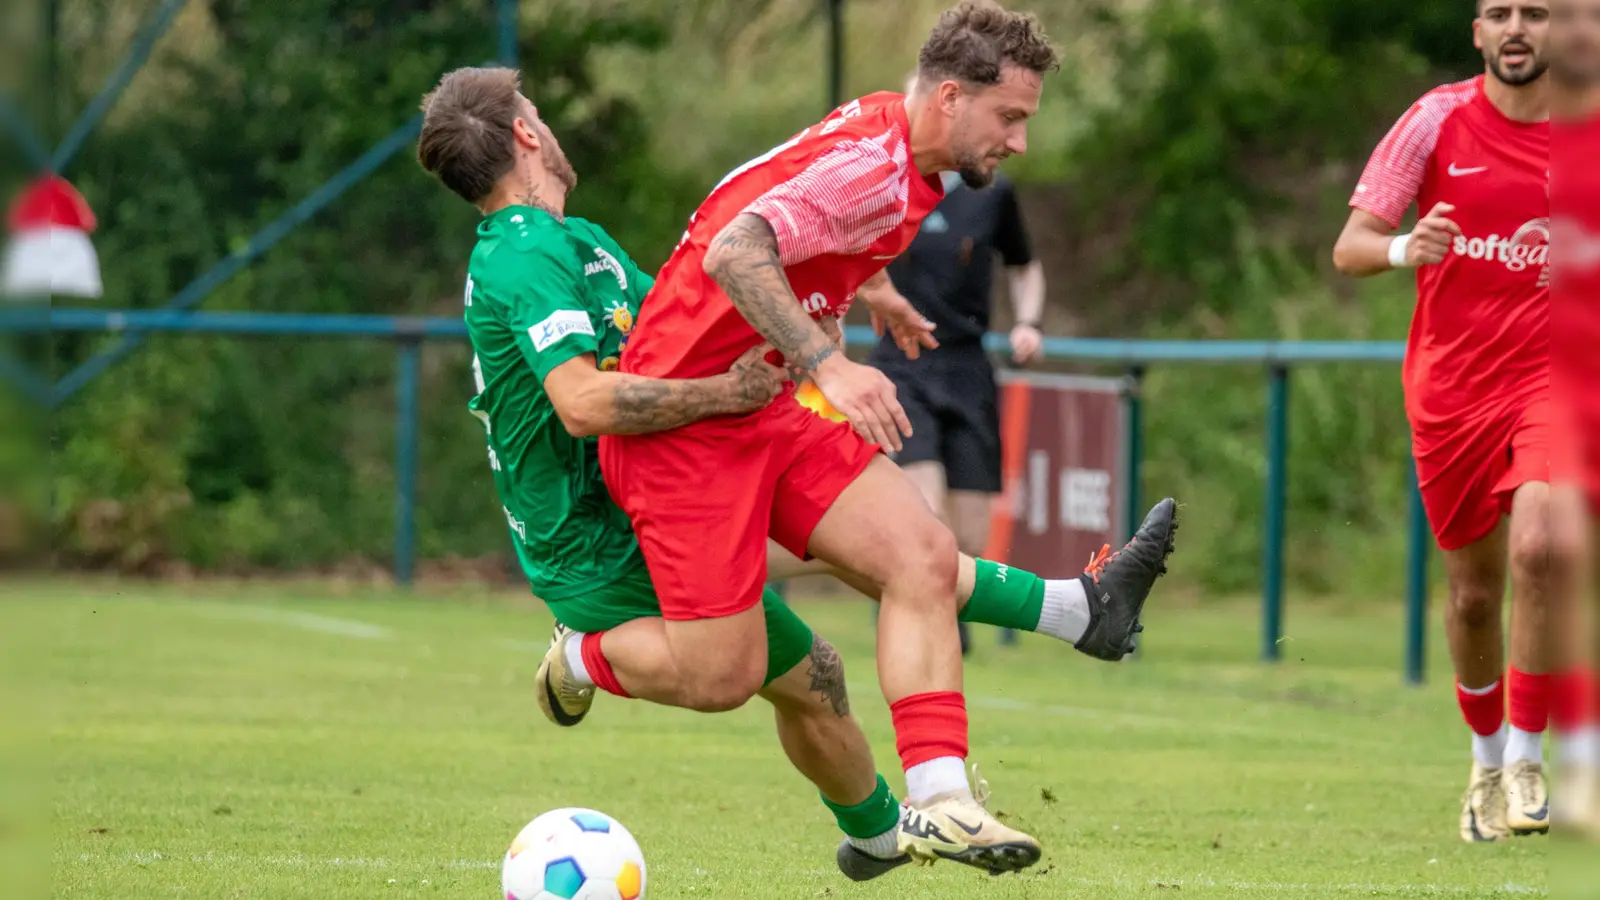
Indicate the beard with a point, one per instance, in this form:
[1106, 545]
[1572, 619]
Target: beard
[561, 170]
[969, 167]
[1533, 70]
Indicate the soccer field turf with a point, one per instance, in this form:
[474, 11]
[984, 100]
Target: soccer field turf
[229, 741]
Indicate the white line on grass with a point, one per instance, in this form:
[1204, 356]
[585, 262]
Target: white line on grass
[303, 620]
[1272, 887]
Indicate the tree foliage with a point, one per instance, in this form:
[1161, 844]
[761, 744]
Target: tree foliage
[1217, 135]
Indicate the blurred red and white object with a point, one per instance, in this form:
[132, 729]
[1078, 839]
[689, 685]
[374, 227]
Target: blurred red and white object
[49, 251]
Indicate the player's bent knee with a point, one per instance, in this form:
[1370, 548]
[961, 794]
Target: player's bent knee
[726, 687]
[1474, 607]
[1530, 554]
[930, 555]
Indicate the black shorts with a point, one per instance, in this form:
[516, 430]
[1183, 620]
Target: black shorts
[951, 399]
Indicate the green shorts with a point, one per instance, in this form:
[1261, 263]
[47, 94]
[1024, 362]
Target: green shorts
[633, 596]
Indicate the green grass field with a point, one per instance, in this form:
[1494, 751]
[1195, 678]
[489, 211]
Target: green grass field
[248, 741]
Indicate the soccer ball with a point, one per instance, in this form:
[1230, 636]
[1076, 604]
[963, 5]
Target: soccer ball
[573, 854]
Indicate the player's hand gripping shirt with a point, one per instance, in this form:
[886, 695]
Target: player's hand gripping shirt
[539, 293]
[843, 199]
[1480, 336]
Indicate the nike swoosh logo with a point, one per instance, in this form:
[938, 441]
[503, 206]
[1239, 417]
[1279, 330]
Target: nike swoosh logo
[1458, 172]
[964, 826]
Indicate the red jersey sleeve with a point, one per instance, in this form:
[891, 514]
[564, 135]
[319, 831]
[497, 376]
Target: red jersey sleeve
[1393, 176]
[850, 195]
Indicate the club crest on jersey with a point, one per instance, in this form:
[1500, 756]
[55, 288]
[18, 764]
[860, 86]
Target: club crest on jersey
[609, 364]
[605, 262]
[621, 319]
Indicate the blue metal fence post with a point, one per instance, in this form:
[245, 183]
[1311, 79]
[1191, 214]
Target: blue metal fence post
[1421, 542]
[1277, 490]
[405, 458]
[1133, 409]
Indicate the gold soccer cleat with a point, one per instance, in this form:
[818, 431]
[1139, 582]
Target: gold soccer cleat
[561, 699]
[957, 827]
[1527, 798]
[1483, 807]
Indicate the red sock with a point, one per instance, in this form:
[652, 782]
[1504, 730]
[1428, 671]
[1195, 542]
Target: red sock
[1485, 711]
[1572, 700]
[600, 670]
[930, 726]
[1530, 700]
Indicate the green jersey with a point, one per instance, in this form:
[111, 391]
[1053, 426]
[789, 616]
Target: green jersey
[541, 292]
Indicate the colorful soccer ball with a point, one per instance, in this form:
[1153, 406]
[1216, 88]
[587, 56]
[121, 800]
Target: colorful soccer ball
[573, 854]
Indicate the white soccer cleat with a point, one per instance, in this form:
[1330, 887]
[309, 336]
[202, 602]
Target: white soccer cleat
[1527, 798]
[1483, 807]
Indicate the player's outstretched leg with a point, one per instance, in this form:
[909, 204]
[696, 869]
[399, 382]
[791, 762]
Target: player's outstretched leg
[1528, 679]
[1097, 612]
[992, 593]
[880, 527]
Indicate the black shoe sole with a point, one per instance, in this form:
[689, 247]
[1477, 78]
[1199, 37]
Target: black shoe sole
[861, 866]
[997, 859]
[1167, 549]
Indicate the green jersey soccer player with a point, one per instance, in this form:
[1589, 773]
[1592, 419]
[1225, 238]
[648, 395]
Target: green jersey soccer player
[550, 300]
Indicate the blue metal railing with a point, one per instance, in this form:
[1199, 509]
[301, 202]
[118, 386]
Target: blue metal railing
[1135, 355]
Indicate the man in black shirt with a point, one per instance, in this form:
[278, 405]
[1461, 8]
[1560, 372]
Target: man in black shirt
[949, 393]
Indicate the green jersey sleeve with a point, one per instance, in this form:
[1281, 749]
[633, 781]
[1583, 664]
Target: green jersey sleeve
[549, 312]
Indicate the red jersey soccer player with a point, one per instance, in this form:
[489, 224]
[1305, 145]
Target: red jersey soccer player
[1475, 157]
[1575, 381]
[781, 242]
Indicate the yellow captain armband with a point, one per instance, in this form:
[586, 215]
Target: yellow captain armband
[811, 398]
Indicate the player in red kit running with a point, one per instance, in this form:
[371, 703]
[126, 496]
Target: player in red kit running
[1575, 382]
[782, 242]
[1475, 157]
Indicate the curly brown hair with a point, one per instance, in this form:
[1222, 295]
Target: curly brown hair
[975, 41]
[466, 139]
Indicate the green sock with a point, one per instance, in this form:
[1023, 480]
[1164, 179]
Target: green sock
[876, 815]
[1007, 597]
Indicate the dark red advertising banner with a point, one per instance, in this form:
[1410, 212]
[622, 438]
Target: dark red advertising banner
[1063, 448]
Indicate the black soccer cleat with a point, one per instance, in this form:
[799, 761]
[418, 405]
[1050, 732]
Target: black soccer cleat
[1117, 584]
[859, 865]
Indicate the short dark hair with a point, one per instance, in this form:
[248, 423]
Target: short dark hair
[975, 41]
[466, 137]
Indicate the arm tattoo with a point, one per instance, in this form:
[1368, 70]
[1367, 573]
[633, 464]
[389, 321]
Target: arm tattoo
[827, 676]
[747, 267]
[644, 405]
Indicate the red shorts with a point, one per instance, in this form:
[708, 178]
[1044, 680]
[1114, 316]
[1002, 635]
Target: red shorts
[1469, 470]
[704, 498]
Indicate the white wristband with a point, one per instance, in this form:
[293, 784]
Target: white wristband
[1397, 250]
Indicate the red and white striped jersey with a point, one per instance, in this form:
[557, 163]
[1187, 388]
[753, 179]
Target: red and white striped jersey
[843, 198]
[1480, 337]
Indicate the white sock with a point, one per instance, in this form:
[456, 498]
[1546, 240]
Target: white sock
[1581, 747]
[1524, 746]
[1066, 610]
[574, 649]
[1490, 752]
[945, 775]
[884, 846]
